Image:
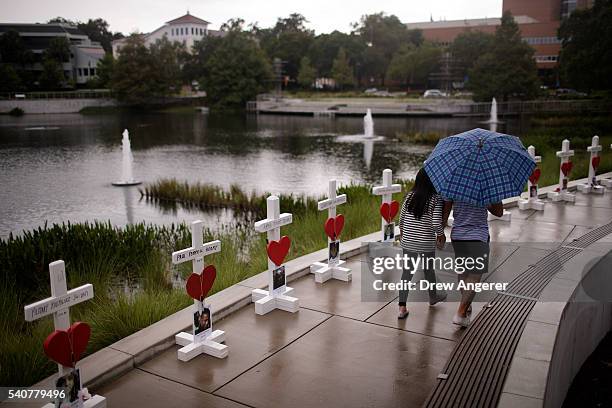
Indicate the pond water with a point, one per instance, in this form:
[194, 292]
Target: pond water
[59, 168]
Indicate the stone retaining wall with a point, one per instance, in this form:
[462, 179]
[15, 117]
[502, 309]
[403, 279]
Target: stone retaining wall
[41, 106]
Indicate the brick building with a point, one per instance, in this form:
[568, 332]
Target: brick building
[538, 21]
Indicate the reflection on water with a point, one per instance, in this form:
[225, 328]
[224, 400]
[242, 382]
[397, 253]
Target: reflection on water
[58, 168]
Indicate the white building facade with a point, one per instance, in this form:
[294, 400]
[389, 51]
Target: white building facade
[186, 29]
[84, 53]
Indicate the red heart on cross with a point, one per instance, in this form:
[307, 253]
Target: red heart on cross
[198, 286]
[595, 162]
[277, 250]
[389, 210]
[535, 176]
[66, 346]
[333, 226]
[566, 168]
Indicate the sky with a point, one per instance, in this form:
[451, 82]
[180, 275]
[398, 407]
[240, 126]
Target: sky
[324, 16]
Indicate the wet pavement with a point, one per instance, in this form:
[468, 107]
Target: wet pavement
[339, 350]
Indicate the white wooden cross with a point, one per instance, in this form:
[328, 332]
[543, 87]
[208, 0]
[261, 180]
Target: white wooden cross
[562, 193]
[607, 182]
[196, 345]
[268, 300]
[386, 191]
[532, 202]
[59, 306]
[332, 269]
[592, 186]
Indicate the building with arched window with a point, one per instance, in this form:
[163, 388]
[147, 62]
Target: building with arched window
[186, 29]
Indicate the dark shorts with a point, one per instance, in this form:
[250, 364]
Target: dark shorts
[478, 251]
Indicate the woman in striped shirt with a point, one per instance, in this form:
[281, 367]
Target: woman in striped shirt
[421, 228]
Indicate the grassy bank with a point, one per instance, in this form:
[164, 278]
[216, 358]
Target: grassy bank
[137, 257]
[546, 134]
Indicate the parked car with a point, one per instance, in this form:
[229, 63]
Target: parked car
[434, 93]
[569, 92]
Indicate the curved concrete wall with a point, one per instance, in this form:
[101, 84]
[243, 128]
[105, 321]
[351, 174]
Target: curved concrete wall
[571, 317]
[54, 105]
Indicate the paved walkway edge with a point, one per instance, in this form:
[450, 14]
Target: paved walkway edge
[122, 356]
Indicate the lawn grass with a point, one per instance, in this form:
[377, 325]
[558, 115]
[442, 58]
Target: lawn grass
[137, 257]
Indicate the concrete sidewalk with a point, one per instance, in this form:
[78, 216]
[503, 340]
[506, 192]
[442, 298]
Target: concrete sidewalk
[337, 350]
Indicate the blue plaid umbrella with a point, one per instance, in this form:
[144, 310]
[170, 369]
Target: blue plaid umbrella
[479, 167]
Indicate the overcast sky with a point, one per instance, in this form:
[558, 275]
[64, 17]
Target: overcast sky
[323, 15]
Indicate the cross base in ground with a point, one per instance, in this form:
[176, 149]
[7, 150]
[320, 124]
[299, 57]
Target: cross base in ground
[211, 345]
[96, 401]
[324, 272]
[556, 196]
[265, 303]
[587, 188]
[606, 183]
[531, 204]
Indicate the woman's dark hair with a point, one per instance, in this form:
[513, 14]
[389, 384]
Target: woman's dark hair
[422, 193]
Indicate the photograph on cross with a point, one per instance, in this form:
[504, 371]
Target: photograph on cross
[306, 204]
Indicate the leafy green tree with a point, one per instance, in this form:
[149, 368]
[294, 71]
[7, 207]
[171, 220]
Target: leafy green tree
[196, 64]
[586, 55]
[412, 65]
[383, 35]
[104, 72]
[97, 30]
[9, 79]
[307, 74]
[325, 47]
[342, 72]
[236, 71]
[288, 40]
[508, 69]
[12, 47]
[468, 47]
[52, 77]
[58, 50]
[61, 20]
[141, 74]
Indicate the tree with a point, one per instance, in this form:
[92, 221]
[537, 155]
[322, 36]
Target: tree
[97, 30]
[325, 47]
[307, 74]
[141, 74]
[104, 72]
[383, 35]
[236, 71]
[58, 50]
[9, 79]
[508, 69]
[468, 47]
[288, 40]
[342, 72]
[52, 77]
[412, 65]
[585, 61]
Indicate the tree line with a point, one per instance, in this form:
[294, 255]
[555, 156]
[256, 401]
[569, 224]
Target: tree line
[379, 51]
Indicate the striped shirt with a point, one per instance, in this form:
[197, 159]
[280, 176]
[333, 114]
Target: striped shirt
[470, 223]
[420, 235]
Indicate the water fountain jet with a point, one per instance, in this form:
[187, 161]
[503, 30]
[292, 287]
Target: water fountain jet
[127, 179]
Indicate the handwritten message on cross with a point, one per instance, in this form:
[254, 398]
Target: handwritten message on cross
[60, 301]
